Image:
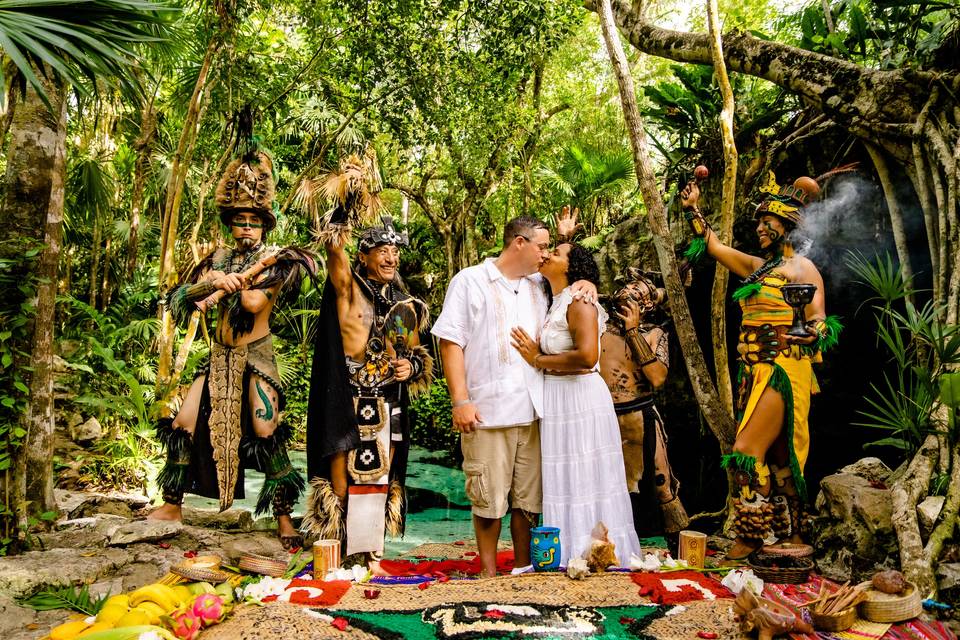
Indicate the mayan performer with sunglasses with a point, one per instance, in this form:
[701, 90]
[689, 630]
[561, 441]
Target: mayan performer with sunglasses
[776, 378]
[367, 362]
[231, 415]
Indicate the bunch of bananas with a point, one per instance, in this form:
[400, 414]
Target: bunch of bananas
[142, 610]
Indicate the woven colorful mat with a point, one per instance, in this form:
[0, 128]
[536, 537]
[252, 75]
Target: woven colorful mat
[603, 590]
[793, 596]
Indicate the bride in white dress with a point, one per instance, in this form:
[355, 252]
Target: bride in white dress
[582, 457]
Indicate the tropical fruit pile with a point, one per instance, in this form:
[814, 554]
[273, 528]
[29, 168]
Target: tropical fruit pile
[155, 611]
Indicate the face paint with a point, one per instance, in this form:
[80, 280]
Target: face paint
[772, 233]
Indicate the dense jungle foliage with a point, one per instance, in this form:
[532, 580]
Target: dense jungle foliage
[478, 112]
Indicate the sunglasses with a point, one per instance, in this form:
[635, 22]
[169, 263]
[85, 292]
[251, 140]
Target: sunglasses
[244, 224]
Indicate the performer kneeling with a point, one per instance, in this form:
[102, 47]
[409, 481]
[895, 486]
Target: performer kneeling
[231, 415]
[634, 359]
[367, 361]
[776, 378]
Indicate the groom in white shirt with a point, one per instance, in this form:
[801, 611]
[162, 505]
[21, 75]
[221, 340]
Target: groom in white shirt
[497, 397]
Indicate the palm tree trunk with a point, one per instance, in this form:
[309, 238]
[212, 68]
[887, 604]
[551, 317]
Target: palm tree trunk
[171, 211]
[719, 421]
[143, 146]
[95, 250]
[718, 301]
[105, 288]
[32, 209]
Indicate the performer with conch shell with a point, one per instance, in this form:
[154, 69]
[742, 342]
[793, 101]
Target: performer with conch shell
[776, 378]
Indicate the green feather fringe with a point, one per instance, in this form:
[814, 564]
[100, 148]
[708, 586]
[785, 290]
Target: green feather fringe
[831, 336]
[780, 382]
[739, 461]
[747, 290]
[174, 478]
[293, 484]
[696, 250]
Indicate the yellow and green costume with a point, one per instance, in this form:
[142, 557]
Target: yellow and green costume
[766, 360]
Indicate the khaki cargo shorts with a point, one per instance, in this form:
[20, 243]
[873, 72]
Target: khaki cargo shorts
[502, 466]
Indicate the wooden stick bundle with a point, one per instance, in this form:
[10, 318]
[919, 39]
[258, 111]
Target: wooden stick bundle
[838, 601]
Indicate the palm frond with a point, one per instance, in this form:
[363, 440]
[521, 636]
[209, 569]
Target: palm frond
[81, 42]
[66, 598]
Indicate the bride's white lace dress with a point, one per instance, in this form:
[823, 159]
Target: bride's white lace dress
[583, 476]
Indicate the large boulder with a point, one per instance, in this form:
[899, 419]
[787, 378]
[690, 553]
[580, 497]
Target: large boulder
[853, 533]
[89, 431]
[627, 245]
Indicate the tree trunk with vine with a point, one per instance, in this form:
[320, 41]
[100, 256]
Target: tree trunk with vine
[32, 208]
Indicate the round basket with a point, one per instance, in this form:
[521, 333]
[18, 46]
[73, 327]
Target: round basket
[253, 563]
[834, 621]
[214, 576]
[798, 572]
[888, 607]
[789, 549]
[201, 569]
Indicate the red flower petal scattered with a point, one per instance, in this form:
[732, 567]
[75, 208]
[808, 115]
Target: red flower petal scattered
[459, 543]
[371, 594]
[163, 545]
[626, 620]
[340, 623]
[189, 554]
[423, 585]
[470, 553]
[494, 614]
[443, 579]
[709, 635]
[293, 550]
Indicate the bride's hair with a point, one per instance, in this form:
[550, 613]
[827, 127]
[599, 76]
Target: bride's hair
[581, 265]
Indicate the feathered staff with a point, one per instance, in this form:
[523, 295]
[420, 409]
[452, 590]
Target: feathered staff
[353, 190]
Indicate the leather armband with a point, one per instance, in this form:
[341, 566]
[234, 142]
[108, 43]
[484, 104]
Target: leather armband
[698, 224]
[641, 350]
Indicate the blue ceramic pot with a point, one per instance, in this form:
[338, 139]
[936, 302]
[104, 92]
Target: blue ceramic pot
[545, 548]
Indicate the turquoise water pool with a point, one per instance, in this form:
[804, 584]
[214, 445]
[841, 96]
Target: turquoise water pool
[438, 509]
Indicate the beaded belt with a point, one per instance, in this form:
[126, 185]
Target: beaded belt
[763, 343]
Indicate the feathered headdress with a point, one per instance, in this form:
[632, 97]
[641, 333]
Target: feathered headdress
[248, 183]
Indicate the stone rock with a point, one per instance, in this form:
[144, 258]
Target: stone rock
[139, 574]
[871, 469]
[623, 247]
[67, 422]
[948, 575]
[928, 511]
[81, 504]
[231, 519]
[260, 544]
[27, 573]
[853, 532]
[82, 533]
[144, 531]
[87, 432]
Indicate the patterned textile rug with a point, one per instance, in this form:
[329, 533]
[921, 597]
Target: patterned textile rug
[473, 620]
[793, 596]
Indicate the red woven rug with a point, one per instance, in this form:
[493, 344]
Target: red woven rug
[470, 567]
[677, 587]
[313, 593]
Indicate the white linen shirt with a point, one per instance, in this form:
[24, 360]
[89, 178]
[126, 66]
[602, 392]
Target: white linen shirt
[479, 310]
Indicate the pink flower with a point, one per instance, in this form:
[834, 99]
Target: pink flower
[209, 608]
[184, 624]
